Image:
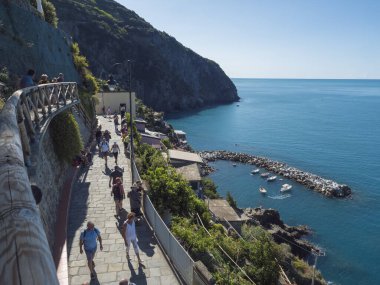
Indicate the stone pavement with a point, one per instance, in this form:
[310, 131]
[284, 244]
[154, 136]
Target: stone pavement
[91, 200]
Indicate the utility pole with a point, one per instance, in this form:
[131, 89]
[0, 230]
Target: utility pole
[316, 254]
[131, 120]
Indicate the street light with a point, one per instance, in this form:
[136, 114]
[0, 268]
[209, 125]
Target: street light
[130, 119]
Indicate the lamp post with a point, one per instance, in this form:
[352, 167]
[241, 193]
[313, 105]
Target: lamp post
[131, 119]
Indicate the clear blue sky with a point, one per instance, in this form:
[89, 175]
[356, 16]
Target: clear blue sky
[275, 38]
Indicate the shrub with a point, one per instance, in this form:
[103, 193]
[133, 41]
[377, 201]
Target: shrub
[50, 12]
[66, 136]
[167, 143]
[209, 188]
[231, 200]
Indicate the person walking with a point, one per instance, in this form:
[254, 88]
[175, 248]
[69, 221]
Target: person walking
[118, 195]
[116, 173]
[116, 122]
[115, 149]
[88, 238]
[129, 235]
[98, 135]
[135, 197]
[107, 135]
[104, 149]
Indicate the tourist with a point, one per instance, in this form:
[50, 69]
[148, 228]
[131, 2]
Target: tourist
[129, 235]
[60, 78]
[125, 140]
[109, 111]
[104, 149]
[107, 135]
[54, 80]
[135, 200]
[116, 122]
[98, 135]
[118, 195]
[27, 80]
[115, 151]
[88, 238]
[44, 79]
[122, 112]
[116, 173]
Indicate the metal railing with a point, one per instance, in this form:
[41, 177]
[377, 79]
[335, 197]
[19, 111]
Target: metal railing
[177, 255]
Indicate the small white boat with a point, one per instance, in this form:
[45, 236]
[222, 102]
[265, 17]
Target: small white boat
[262, 190]
[285, 187]
[234, 165]
[255, 171]
[266, 174]
[272, 178]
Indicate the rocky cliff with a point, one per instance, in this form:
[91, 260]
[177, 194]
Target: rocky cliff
[27, 41]
[166, 75]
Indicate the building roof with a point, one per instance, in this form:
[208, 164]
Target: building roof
[184, 156]
[190, 172]
[222, 210]
[149, 136]
[140, 121]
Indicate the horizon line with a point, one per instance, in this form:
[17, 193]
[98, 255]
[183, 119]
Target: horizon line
[300, 78]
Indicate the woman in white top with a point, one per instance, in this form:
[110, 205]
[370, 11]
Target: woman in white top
[115, 151]
[129, 235]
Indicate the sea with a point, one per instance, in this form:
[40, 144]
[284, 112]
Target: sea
[327, 127]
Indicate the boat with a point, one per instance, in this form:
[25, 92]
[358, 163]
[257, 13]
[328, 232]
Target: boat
[234, 165]
[285, 187]
[266, 174]
[262, 190]
[272, 178]
[255, 171]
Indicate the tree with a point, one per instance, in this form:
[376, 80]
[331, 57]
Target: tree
[231, 200]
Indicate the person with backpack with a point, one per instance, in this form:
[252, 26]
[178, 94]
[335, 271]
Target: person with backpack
[118, 195]
[88, 238]
[115, 151]
[104, 149]
[116, 173]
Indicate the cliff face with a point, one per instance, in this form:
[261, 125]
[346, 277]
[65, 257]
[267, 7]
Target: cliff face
[166, 75]
[27, 41]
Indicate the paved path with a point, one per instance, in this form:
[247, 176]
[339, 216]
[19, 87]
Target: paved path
[91, 200]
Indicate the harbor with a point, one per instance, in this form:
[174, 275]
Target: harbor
[314, 182]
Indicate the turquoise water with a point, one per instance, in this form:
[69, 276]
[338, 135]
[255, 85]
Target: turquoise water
[328, 127]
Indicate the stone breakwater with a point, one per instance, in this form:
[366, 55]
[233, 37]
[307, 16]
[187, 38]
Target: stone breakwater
[324, 186]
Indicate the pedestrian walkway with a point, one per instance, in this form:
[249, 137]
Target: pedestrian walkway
[91, 201]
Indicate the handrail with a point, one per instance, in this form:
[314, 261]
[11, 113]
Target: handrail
[25, 256]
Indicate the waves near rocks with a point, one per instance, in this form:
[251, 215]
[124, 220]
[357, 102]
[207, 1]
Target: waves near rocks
[314, 182]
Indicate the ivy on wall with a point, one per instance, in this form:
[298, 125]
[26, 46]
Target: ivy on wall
[66, 136]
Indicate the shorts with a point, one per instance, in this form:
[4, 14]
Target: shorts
[104, 153]
[90, 253]
[115, 154]
[118, 199]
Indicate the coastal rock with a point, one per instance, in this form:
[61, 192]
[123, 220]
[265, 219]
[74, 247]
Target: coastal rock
[316, 183]
[282, 233]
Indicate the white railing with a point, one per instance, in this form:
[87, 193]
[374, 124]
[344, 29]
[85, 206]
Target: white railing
[177, 255]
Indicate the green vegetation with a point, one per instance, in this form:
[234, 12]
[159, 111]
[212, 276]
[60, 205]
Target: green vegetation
[167, 143]
[50, 13]
[209, 188]
[90, 84]
[66, 136]
[231, 200]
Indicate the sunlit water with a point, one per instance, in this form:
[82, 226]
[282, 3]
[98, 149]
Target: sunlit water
[328, 127]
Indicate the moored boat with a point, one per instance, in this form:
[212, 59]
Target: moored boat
[272, 178]
[255, 171]
[285, 187]
[266, 174]
[262, 190]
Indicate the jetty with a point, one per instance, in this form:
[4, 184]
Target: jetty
[314, 182]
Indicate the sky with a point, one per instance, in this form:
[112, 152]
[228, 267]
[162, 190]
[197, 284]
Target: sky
[275, 38]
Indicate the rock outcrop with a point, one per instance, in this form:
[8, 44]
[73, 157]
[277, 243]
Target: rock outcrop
[282, 233]
[166, 75]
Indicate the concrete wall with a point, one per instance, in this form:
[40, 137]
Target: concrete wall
[50, 177]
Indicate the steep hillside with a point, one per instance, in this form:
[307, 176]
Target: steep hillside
[166, 75]
[27, 41]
